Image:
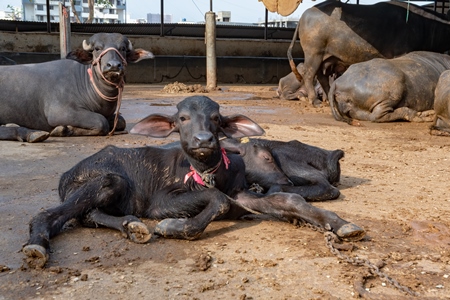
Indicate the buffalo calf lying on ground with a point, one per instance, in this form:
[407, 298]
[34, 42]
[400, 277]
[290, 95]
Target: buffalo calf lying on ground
[441, 123]
[312, 171]
[186, 187]
[385, 90]
[68, 97]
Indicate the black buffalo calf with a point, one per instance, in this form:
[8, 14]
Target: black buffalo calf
[186, 187]
[312, 171]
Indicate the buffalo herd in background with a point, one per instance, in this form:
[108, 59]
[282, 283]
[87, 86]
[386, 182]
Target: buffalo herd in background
[372, 62]
[384, 56]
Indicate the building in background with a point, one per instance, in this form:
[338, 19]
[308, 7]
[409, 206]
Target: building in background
[286, 22]
[36, 10]
[223, 16]
[156, 18]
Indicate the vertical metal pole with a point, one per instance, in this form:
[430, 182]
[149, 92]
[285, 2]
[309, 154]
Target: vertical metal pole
[266, 23]
[49, 27]
[162, 18]
[210, 40]
[64, 30]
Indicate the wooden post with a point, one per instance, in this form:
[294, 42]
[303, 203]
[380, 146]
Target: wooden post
[64, 30]
[210, 40]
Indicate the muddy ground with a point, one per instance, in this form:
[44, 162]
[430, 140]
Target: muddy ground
[395, 184]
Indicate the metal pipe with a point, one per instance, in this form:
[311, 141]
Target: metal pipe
[49, 27]
[266, 18]
[162, 18]
[210, 40]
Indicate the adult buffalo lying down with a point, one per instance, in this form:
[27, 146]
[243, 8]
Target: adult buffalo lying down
[441, 122]
[385, 90]
[69, 97]
[333, 31]
[187, 187]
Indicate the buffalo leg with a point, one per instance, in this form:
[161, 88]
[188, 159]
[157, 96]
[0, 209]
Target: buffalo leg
[99, 129]
[130, 226]
[121, 123]
[311, 67]
[98, 192]
[205, 206]
[22, 134]
[325, 84]
[79, 123]
[292, 206]
[319, 191]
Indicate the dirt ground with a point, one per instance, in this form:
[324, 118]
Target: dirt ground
[394, 184]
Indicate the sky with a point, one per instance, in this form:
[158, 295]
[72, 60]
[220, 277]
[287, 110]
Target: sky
[246, 11]
[242, 11]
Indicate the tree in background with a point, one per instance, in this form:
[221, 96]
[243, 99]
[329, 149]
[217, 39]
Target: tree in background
[15, 13]
[91, 3]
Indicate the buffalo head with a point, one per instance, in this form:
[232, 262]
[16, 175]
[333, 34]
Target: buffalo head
[111, 52]
[199, 123]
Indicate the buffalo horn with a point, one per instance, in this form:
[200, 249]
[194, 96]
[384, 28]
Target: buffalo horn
[86, 46]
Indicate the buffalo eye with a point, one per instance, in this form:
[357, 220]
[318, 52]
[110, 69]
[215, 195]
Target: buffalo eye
[267, 158]
[215, 118]
[98, 48]
[184, 118]
[123, 49]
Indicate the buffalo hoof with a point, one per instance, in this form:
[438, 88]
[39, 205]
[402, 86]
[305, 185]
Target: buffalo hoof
[317, 103]
[175, 229]
[424, 116]
[350, 232]
[37, 136]
[37, 256]
[137, 232]
[60, 131]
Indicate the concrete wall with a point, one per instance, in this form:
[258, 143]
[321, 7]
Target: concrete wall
[49, 43]
[177, 59]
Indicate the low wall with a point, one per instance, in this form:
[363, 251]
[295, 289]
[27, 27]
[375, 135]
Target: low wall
[163, 68]
[177, 58]
[49, 43]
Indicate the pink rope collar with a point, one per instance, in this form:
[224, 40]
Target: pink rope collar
[207, 178]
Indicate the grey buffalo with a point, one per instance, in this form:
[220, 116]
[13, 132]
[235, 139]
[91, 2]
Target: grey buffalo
[385, 90]
[334, 32]
[186, 187]
[68, 97]
[291, 88]
[441, 122]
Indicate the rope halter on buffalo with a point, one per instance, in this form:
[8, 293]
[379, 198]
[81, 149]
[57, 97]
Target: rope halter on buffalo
[119, 86]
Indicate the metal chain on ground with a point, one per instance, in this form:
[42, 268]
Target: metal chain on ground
[330, 237]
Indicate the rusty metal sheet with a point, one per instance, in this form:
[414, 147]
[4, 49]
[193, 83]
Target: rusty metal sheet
[282, 7]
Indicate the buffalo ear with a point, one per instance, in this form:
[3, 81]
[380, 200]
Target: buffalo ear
[80, 55]
[139, 54]
[155, 125]
[231, 145]
[238, 126]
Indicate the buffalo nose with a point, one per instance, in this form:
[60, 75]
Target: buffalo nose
[113, 65]
[203, 137]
